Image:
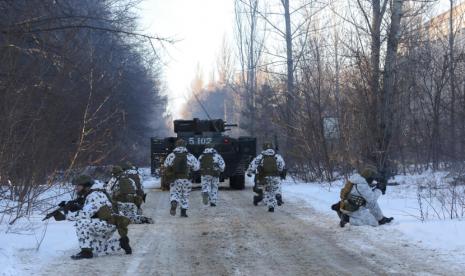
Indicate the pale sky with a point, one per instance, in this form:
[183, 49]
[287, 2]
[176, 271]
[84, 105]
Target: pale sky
[200, 26]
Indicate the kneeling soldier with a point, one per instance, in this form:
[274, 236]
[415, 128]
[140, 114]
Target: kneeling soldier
[211, 166]
[359, 200]
[95, 223]
[132, 172]
[123, 192]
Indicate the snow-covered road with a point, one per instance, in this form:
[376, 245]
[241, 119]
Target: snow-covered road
[237, 238]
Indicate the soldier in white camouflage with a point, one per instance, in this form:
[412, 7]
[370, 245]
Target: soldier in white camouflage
[359, 200]
[269, 167]
[211, 166]
[123, 191]
[133, 173]
[95, 232]
[179, 165]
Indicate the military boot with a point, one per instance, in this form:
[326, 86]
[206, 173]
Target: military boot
[174, 205]
[212, 205]
[271, 209]
[279, 199]
[124, 243]
[256, 199]
[86, 253]
[184, 213]
[344, 220]
[205, 198]
[146, 220]
[385, 220]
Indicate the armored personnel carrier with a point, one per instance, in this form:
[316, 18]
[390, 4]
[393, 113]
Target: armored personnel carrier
[237, 152]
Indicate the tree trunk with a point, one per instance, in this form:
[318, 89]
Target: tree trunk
[387, 96]
[290, 69]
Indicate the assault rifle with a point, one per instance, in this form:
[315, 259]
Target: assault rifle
[383, 178]
[65, 207]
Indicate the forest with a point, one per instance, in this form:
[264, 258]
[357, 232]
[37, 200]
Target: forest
[345, 83]
[79, 87]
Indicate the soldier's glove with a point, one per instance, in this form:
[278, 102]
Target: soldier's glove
[382, 187]
[62, 204]
[59, 216]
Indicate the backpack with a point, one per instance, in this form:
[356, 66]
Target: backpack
[207, 165]
[269, 166]
[126, 186]
[350, 202]
[180, 167]
[136, 178]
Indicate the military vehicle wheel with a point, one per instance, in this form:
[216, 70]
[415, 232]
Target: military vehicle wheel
[237, 182]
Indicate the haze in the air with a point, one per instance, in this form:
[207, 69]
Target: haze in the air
[200, 26]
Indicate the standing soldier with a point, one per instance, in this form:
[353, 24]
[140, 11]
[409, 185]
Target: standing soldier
[95, 224]
[123, 191]
[269, 166]
[211, 166]
[179, 164]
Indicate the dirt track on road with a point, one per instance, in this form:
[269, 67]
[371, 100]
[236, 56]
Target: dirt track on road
[237, 238]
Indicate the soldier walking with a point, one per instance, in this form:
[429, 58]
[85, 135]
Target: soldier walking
[211, 166]
[179, 164]
[269, 166]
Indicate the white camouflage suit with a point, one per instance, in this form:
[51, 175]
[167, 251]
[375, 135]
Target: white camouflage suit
[127, 209]
[210, 183]
[180, 189]
[135, 171]
[272, 183]
[92, 232]
[369, 214]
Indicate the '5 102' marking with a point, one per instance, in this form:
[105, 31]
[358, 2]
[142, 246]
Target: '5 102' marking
[200, 140]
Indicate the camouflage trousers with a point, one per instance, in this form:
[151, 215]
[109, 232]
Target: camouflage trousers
[180, 190]
[369, 214]
[271, 188]
[98, 235]
[130, 211]
[210, 185]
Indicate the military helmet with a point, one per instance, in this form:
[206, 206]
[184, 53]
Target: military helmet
[181, 143]
[369, 172]
[267, 145]
[126, 166]
[83, 180]
[117, 170]
[210, 145]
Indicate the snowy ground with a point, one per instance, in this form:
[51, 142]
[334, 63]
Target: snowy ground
[441, 238]
[445, 236]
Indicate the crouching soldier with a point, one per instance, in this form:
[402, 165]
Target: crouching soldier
[178, 165]
[211, 166]
[123, 192]
[95, 223]
[133, 173]
[359, 200]
[269, 167]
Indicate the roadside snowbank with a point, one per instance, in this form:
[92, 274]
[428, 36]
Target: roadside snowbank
[444, 236]
[148, 180]
[31, 239]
